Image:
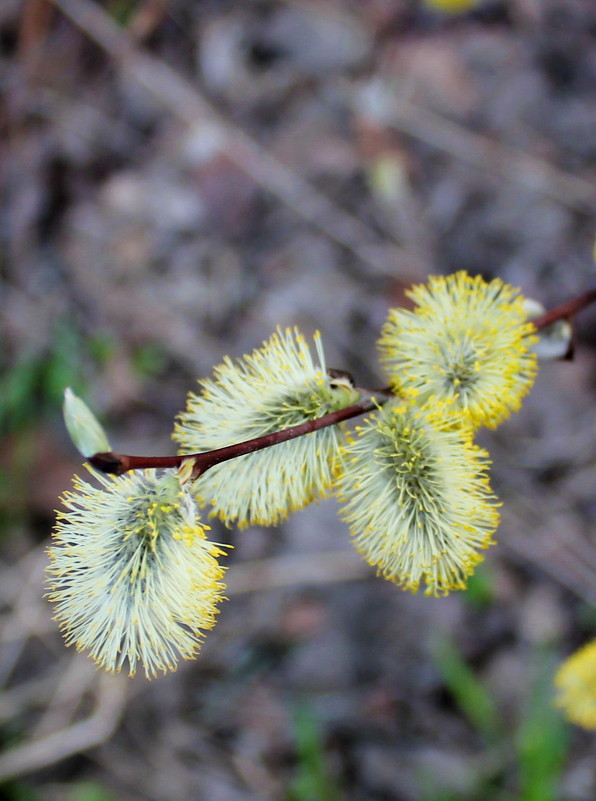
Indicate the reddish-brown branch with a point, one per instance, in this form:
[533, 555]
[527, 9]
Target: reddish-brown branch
[117, 464]
[565, 310]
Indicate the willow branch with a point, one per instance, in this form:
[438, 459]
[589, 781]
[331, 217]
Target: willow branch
[117, 464]
[565, 310]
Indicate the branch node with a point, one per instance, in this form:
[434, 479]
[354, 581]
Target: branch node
[107, 462]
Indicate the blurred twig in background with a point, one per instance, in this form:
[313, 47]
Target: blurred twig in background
[186, 103]
[110, 695]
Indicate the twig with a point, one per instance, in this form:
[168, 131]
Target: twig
[26, 614]
[488, 154]
[117, 464]
[564, 568]
[146, 19]
[75, 679]
[565, 310]
[72, 740]
[28, 694]
[35, 22]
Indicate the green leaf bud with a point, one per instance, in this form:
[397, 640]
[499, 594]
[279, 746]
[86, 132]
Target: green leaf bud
[85, 430]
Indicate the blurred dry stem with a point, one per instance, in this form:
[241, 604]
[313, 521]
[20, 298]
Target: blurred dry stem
[184, 101]
[485, 153]
[61, 694]
[559, 553]
[110, 698]
[35, 22]
[147, 18]
[20, 592]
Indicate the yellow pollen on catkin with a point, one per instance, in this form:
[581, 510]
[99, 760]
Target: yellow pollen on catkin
[467, 342]
[132, 577]
[417, 499]
[273, 388]
[575, 682]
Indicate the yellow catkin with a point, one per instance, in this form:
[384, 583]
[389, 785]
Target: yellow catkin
[576, 686]
[466, 343]
[275, 387]
[417, 498]
[451, 6]
[132, 577]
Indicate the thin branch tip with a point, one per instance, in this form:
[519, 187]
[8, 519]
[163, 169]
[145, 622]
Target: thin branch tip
[107, 462]
[565, 311]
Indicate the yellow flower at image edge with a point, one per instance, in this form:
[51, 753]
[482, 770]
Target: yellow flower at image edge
[576, 685]
[132, 575]
[467, 342]
[417, 498]
[451, 6]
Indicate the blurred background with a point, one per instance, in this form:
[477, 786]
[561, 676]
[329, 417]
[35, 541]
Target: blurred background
[180, 177]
